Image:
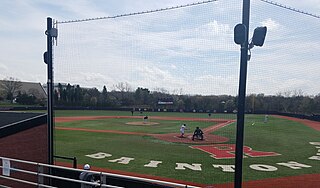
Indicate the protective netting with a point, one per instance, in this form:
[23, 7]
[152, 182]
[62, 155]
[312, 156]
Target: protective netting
[185, 61]
[183, 48]
[284, 72]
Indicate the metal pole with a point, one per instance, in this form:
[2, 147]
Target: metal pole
[242, 97]
[75, 162]
[50, 91]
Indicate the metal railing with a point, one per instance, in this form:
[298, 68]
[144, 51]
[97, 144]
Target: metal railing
[41, 174]
[73, 159]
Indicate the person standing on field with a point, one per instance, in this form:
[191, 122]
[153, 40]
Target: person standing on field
[266, 117]
[182, 130]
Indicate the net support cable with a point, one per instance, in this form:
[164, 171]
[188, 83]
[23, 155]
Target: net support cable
[137, 13]
[291, 8]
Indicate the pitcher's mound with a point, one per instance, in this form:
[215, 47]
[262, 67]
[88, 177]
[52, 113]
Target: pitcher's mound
[141, 123]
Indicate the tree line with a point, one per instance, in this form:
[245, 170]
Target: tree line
[123, 96]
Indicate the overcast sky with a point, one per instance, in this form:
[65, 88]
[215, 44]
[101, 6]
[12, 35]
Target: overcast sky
[190, 50]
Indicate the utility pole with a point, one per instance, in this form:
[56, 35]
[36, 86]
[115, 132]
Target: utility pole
[242, 96]
[50, 32]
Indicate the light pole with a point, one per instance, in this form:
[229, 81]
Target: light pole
[51, 33]
[241, 33]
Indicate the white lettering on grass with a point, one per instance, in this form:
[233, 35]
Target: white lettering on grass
[265, 168]
[122, 160]
[153, 164]
[294, 165]
[225, 168]
[315, 143]
[183, 166]
[317, 156]
[99, 155]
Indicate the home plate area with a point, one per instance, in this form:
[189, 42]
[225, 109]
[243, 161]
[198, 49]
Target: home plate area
[208, 138]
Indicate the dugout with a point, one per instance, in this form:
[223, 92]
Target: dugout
[23, 136]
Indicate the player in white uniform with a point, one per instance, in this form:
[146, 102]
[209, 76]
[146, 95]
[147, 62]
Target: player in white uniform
[182, 130]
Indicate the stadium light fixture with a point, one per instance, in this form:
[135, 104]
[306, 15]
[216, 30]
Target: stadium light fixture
[240, 31]
[258, 38]
[259, 35]
[45, 57]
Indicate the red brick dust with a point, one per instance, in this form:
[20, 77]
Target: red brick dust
[208, 138]
[302, 181]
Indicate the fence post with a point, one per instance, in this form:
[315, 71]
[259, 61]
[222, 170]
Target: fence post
[103, 179]
[75, 162]
[40, 178]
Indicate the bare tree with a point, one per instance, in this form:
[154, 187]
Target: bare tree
[122, 87]
[10, 87]
[297, 93]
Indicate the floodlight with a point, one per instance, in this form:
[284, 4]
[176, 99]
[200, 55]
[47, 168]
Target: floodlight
[45, 57]
[240, 32]
[259, 35]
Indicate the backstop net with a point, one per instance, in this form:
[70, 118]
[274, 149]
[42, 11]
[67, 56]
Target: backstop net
[138, 85]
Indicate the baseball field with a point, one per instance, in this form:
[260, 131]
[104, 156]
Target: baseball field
[278, 152]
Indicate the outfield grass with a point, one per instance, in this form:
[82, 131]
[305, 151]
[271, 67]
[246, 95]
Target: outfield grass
[68, 113]
[288, 138]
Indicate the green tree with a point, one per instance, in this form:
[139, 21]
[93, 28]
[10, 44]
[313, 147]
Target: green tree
[25, 99]
[142, 96]
[103, 97]
[78, 95]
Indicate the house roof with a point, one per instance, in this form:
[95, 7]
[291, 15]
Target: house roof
[35, 89]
